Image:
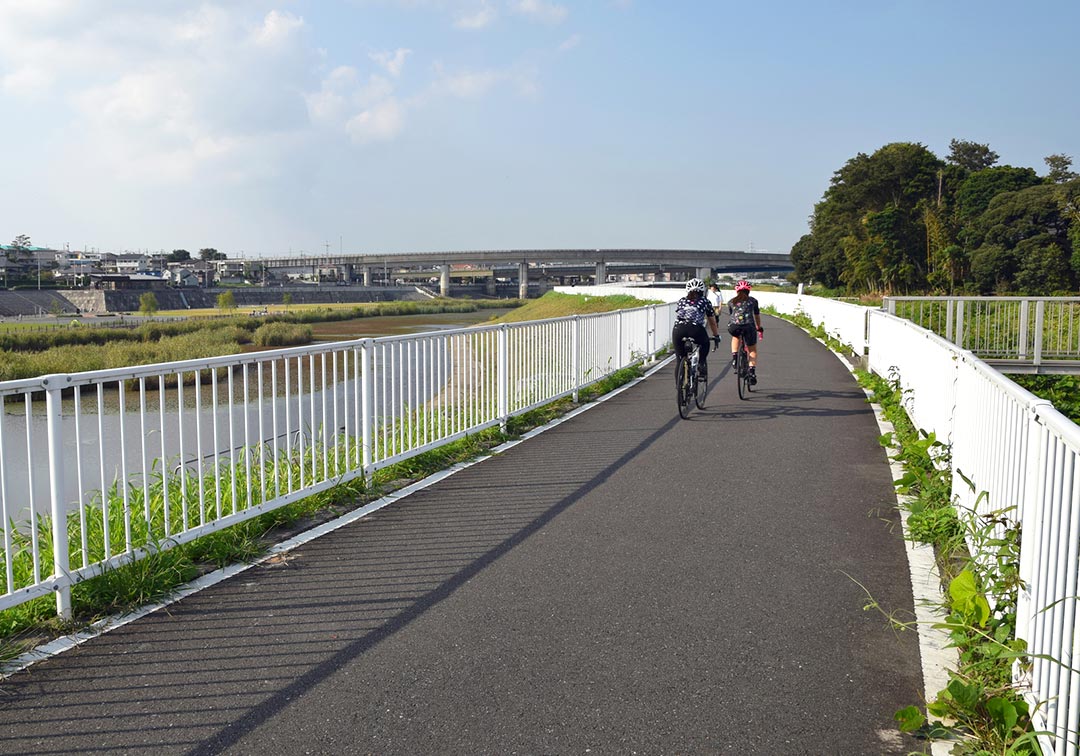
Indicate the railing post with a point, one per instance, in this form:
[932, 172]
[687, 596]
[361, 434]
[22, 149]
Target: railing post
[367, 385]
[618, 363]
[949, 319]
[58, 499]
[1040, 316]
[959, 323]
[575, 356]
[650, 338]
[1022, 335]
[503, 375]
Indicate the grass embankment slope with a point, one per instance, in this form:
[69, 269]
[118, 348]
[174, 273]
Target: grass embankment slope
[557, 305]
[153, 578]
[27, 353]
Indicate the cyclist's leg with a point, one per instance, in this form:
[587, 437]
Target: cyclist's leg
[750, 335]
[734, 331]
[702, 339]
[677, 334]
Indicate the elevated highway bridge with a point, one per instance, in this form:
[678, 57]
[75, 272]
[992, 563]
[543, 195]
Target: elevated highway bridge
[520, 264]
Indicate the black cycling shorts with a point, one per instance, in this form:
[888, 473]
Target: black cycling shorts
[696, 332]
[747, 332]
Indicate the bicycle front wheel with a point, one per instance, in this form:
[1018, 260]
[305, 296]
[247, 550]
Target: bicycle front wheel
[683, 395]
[699, 394]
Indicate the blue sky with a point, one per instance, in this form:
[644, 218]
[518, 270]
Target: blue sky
[264, 128]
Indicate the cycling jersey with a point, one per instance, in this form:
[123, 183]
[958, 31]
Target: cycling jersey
[742, 313]
[693, 311]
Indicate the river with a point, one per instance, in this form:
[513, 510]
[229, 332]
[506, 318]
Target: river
[25, 463]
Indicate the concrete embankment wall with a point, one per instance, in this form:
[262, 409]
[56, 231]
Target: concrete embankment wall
[94, 301]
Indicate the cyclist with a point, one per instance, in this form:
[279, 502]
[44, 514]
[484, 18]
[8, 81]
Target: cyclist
[744, 314]
[716, 299]
[692, 312]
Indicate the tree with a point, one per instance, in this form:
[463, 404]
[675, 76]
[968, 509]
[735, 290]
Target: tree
[814, 264]
[179, 255]
[973, 196]
[993, 267]
[148, 303]
[209, 253]
[286, 299]
[1044, 269]
[1024, 241]
[20, 246]
[1060, 169]
[970, 156]
[873, 214]
[226, 301]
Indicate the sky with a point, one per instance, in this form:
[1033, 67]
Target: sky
[267, 128]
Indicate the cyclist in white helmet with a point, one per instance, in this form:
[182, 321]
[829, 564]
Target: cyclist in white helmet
[692, 312]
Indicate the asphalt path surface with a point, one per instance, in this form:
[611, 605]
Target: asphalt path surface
[626, 582]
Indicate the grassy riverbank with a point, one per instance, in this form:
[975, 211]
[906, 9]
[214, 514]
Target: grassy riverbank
[557, 305]
[29, 353]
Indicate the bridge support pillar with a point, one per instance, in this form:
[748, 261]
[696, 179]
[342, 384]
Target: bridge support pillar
[601, 272]
[444, 280]
[704, 274]
[489, 286]
[345, 272]
[366, 272]
[523, 280]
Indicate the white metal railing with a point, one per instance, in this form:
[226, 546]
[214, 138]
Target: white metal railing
[1015, 447]
[133, 460]
[1026, 329]
[842, 320]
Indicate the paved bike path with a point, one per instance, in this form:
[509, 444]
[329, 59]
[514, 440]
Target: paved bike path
[627, 582]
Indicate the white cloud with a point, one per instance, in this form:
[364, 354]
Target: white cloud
[474, 84]
[381, 122]
[166, 91]
[540, 10]
[392, 62]
[479, 19]
[277, 29]
[26, 81]
[469, 84]
[570, 43]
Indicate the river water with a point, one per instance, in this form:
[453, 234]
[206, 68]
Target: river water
[108, 445]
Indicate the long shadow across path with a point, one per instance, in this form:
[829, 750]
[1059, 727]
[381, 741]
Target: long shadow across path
[626, 582]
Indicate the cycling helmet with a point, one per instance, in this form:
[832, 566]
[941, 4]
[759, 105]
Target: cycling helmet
[695, 284]
[743, 285]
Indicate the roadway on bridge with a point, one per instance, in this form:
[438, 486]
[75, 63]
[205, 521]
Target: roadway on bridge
[626, 582]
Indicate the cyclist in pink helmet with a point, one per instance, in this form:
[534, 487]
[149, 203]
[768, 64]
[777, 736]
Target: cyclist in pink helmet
[744, 323]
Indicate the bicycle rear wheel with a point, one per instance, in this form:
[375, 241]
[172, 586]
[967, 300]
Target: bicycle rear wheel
[741, 374]
[683, 395]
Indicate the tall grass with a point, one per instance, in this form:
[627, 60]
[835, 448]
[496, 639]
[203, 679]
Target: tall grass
[28, 355]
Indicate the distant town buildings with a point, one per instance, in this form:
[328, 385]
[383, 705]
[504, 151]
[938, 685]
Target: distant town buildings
[71, 269]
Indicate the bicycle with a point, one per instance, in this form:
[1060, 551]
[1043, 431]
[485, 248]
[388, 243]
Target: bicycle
[687, 386]
[742, 370]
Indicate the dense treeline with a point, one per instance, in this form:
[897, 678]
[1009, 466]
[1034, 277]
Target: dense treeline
[903, 221]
